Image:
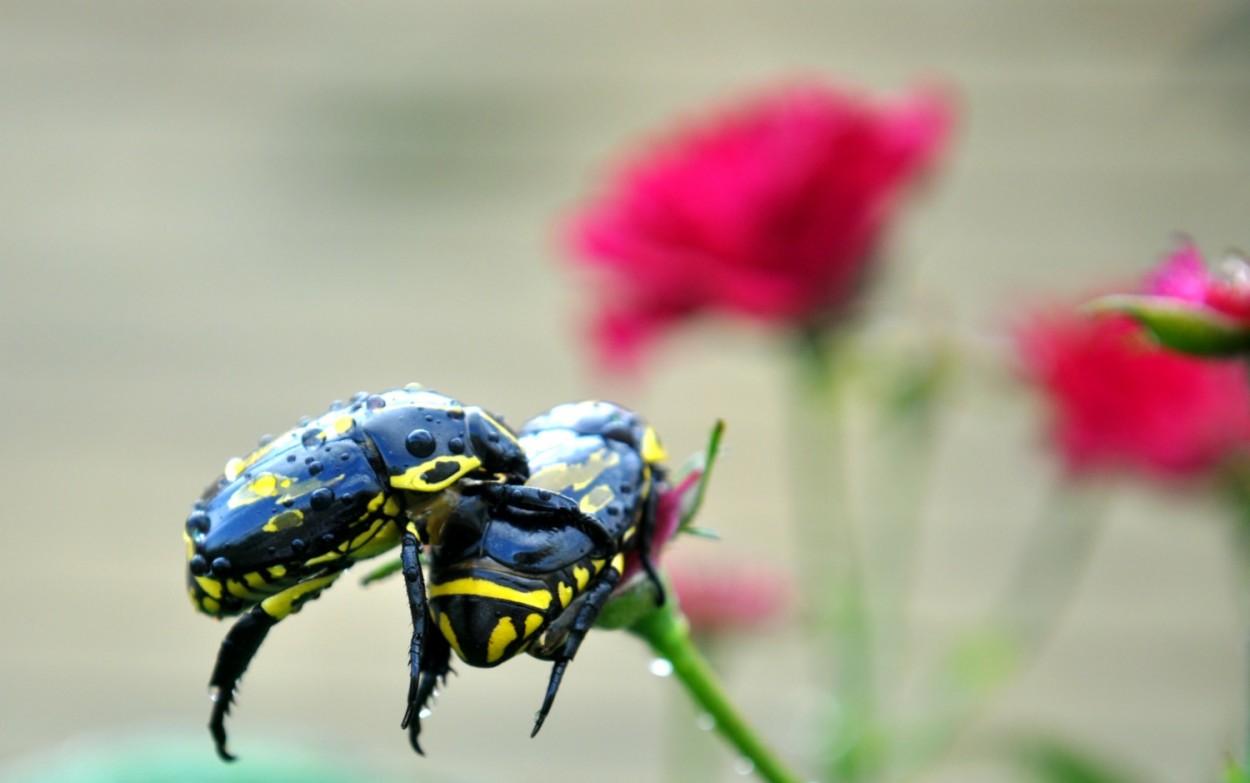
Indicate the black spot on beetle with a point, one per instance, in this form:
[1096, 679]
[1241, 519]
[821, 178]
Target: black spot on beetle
[442, 470]
[314, 466]
[198, 565]
[221, 566]
[456, 445]
[298, 546]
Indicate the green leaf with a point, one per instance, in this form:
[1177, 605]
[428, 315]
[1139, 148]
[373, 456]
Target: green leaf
[1050, 760]
[704, 463]
[382, 571]
[1182, 326]
[1236, 773]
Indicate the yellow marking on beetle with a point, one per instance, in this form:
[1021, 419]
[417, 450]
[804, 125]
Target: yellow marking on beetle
[628, 535]
[411, 479]
[327, 557]
[186, 537]
[210, 586]
[444, 625]
[531, 624]
[652, 450]
[566, 594]
[563, 477]
[596, 499]
[301, 488]
[255, 580]
[285, 520]
[501, 636]
[344, 424]
[289, 600]
[618, 562]
[234, 466]
[375, 502]
[382, 536]
[239, 590]
[391, 507]
[411, 527]
[539, 599]
[210, 606]
[597, 565]
[582, 576]
[277, 572]
[263, 486]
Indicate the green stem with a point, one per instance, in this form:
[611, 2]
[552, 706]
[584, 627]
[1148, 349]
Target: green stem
[830, 557]
[668, 634]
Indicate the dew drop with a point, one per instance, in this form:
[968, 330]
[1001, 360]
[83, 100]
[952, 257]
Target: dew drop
[420, 443]
[425, 713]
[456, 445]
[375, 402]
[314, 467]
[661, 667]
[744, 765]
[321, 498]
[705, 722]
[310, 438]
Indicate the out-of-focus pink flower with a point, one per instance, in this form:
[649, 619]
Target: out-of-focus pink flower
[1118, 400]
[729, 598]
[772, 210]
[1184, 276]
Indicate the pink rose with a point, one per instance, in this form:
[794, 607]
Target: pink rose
[1119, 400]
[772, 211]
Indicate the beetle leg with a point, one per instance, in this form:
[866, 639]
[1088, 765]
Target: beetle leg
[241, 644]
[646, 533]
[434, 668]
[519, 503]
[414, 580]
[594, 599]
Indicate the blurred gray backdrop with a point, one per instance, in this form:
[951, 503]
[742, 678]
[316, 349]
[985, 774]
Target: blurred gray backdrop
[216, 217]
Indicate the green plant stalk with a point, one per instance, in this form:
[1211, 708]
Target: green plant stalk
[837, 614]
[668, 633]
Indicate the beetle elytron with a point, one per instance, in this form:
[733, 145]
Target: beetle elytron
[513, 566]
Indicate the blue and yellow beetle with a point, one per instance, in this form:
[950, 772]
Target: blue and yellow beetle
[527, 537]
[282, 524]
[528, 569]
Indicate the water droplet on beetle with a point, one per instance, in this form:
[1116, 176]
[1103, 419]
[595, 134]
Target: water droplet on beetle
[661, 667]
[425, 713]
[420, 443]
[375, 402]
[310, 438]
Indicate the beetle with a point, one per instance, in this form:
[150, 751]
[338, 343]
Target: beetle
[528, 568]
[280, 525]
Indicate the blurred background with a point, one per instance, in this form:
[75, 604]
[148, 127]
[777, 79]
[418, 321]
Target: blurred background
[219, 217]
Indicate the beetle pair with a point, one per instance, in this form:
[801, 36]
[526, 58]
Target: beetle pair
[525, 536]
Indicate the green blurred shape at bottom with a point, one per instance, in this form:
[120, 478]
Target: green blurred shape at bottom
[178, 758]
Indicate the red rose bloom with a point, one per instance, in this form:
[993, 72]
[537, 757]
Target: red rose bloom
[1118, 400]
[771, 211]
